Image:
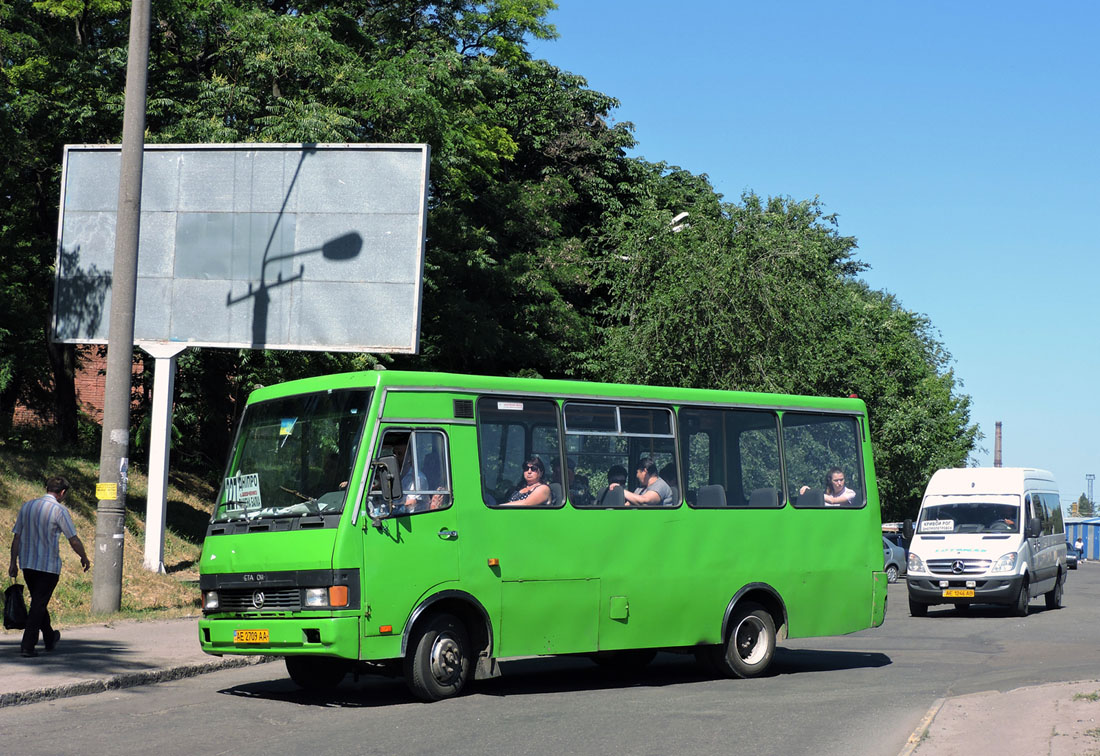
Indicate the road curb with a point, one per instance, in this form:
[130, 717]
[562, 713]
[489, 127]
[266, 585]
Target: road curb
[922, 728]
[127, 680]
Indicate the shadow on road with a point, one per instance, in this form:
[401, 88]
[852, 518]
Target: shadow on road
[544, 675]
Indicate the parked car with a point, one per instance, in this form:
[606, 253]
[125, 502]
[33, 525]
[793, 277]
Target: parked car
[897, 539]
[893, 559]
[1071, 556]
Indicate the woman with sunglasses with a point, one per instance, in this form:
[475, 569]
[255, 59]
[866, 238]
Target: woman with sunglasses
[534, 490]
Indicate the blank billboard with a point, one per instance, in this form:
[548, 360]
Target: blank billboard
[314, 247]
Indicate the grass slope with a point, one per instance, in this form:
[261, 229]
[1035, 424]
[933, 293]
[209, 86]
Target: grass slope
[144, 593]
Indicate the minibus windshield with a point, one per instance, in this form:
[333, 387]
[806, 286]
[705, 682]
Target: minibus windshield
[970, 517]
[293, 456]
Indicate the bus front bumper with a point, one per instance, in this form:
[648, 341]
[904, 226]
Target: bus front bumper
[996, 590]
[281, 636]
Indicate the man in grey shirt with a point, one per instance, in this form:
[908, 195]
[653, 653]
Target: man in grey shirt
[652, 490]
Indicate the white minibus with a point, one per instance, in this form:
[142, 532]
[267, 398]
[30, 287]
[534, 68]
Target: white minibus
[990, 535]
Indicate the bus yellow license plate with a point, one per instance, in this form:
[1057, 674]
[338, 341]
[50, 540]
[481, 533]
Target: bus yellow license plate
[958, 593]
[251, 636]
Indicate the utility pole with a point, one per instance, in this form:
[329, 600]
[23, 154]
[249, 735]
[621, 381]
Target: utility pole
[114, 450]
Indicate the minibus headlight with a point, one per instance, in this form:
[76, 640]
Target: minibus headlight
[316, 597]
[1006, 563]
[210, 601]
[916, 564]
[334, 596]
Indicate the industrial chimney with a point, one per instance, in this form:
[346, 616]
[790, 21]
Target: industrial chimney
[997, 447]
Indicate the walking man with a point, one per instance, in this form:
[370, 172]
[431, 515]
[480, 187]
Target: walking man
[37, 526]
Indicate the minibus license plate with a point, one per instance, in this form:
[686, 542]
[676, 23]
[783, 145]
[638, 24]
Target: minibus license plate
[958, 593]
[251, 636]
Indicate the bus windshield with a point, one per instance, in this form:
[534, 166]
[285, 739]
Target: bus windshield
[293, 456]
[970, 517]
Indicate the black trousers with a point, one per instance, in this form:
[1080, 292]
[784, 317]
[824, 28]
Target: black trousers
[40, 585]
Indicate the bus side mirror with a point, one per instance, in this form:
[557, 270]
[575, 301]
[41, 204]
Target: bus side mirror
[1034, 527]
[388, 479]
[907, 532]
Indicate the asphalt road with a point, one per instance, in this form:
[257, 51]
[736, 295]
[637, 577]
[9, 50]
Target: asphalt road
[856, 695]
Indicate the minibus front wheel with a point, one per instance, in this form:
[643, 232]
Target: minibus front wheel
[316, 673]
[1023, 598]
[438, 663]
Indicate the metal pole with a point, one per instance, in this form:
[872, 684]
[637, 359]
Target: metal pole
[114, 450]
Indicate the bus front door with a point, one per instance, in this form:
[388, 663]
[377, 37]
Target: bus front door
[413, 551]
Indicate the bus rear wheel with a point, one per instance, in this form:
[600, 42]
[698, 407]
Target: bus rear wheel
[316, 673]
[438, 663]
[1054, 595]
[751, 643]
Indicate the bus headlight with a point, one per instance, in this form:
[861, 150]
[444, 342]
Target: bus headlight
[333, 596]
[916, 564]
[1006, 563]
[210, 601]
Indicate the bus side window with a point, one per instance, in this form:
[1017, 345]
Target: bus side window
[732, 457]
[818, 448]
[425, 473]
[605, 443]
[509, 433]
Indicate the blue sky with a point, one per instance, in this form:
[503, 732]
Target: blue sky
[957, 141]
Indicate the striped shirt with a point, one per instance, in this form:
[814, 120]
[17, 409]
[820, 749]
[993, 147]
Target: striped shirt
[39, 523]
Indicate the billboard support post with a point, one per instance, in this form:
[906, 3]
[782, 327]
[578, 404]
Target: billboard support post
[160, 442]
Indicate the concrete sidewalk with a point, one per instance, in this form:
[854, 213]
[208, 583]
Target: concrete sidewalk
[1056, 719]
[94, 658]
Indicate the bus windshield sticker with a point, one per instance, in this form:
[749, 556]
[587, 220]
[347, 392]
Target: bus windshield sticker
[517, 406]
[937, 526]
[242, 492]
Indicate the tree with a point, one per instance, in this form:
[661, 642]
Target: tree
[763, 297]
[1084, 506]
[549, 250]
[60, 81]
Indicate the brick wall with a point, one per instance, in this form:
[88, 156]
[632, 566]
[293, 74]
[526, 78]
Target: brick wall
[91, 382]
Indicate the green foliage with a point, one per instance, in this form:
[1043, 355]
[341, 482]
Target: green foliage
[1084, 506]
[763, 297]
[549, 251]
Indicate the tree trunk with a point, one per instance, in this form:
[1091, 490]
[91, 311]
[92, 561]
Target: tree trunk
[63, 365]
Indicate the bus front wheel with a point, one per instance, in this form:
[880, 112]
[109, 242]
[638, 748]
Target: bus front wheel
[316, 673]
[751, 643]
[1023, 598]
[438, 663]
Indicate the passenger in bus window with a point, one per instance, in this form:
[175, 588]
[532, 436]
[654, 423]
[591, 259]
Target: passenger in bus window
[616, 476]
[534, 490]
[836, 493]
[432, 468]
[652, 490]
[669, 475]
[579, 492]
[410, 481]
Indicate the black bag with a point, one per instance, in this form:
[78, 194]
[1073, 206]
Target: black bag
[15, 611]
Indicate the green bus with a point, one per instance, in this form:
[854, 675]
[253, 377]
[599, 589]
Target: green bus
[376, 521]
